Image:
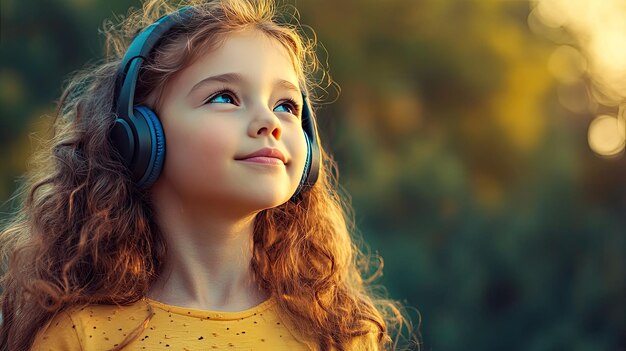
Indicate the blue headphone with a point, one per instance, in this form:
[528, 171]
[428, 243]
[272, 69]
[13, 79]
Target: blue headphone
[138, 135]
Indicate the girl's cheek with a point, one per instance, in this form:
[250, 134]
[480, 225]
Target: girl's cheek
[210, 143]
[191, 144]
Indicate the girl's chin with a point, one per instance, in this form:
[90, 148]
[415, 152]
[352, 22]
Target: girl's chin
[265, 201]
[251, 201]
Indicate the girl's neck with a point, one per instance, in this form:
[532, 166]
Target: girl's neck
[207, 265]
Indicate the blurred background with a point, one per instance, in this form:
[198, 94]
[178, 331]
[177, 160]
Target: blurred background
[482, 143]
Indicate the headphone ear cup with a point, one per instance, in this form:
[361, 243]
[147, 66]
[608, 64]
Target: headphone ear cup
[313, 162]
[307, 168]
[307, 163]
[152, 157]
[123, 140]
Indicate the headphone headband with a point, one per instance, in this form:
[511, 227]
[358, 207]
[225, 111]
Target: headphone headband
[138, 51]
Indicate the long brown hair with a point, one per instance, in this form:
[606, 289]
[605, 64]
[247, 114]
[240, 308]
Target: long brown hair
[85, 235]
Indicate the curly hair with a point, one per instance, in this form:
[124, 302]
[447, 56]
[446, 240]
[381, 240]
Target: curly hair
[86, 235]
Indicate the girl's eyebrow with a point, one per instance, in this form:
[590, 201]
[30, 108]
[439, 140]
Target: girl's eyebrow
[238, 78]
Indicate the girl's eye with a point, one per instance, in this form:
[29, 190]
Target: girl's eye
[289, 106]
[222, 97]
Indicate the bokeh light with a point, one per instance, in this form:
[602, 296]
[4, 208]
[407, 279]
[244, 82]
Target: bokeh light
[567, 64]
[599, 29]
[606, 138]
[594, 33]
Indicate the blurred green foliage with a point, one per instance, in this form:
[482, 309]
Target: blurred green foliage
[495, 220]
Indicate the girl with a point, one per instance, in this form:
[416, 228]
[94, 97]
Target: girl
[184, 201]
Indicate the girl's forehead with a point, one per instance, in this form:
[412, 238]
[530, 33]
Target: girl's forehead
[251, 54]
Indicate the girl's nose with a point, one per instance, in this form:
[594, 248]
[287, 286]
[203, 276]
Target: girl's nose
[265, 123]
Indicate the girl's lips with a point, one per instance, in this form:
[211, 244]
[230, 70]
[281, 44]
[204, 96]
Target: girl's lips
[263, 160]
[268, 156]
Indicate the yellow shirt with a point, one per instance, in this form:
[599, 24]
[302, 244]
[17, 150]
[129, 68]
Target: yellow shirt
[103, 327]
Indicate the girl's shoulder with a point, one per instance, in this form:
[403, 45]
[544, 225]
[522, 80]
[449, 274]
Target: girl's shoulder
[91, 327]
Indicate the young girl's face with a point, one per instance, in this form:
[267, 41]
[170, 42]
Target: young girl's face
[232, 102]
